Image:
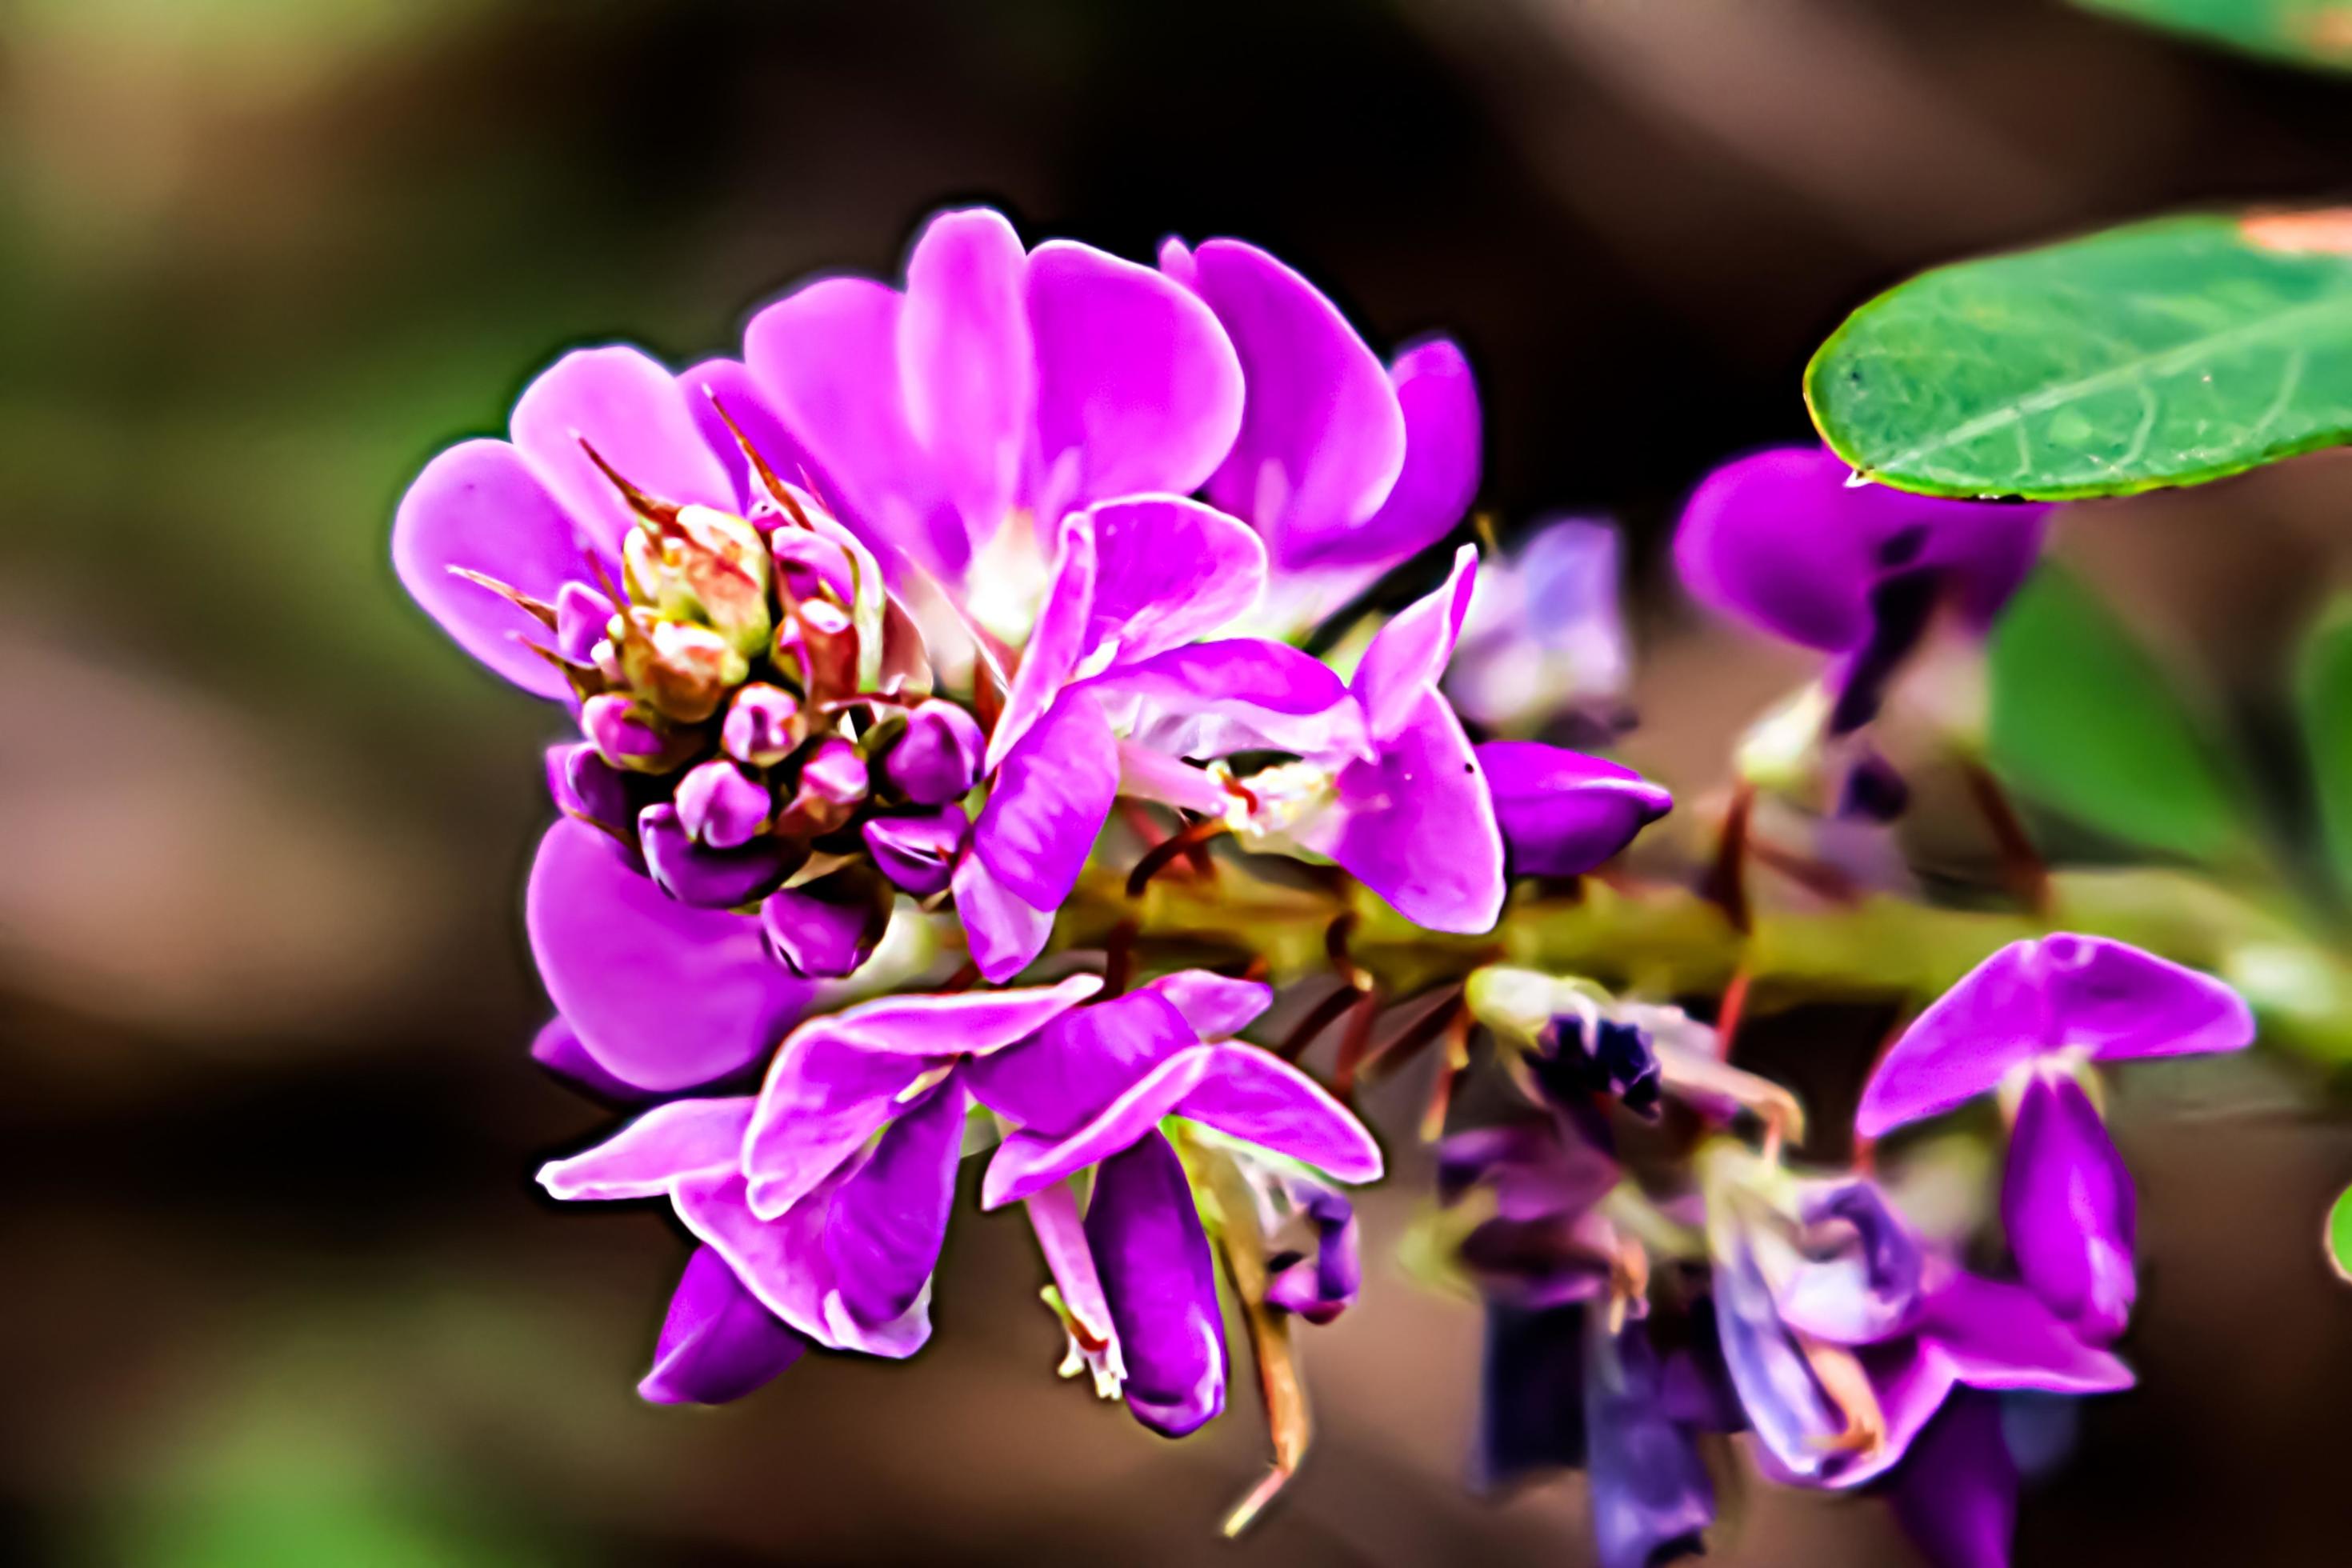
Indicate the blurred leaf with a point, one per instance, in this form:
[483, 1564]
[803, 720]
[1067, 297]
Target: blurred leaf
[2315, 33]
[2085, 722]
[2323, 690]
[2339, 1234]
[2162, 354]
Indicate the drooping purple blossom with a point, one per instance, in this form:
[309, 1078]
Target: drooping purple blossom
[1784, 540]
[1543, 646]
[2029, 1021]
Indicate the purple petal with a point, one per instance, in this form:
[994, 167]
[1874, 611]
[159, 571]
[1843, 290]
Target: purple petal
[1781, 540]
[1212, 698]
[708, 878]
[581, 617]
[663, 996]
[727, 384]
[974, 1023]
[1049, 802]
[1955, 1494]
[917, 852]
[1996, 1335]
[1534, 1169]
[1322, 437]
[824, 1096]
[558, 1049]
[1161, 1286]
[1240, 1090]
[720, 807]
[1003, 934]
[1062, 1237]
[622, 403]
[1318, 1288]
[1138, 389]
[651, 1155]
[1531, 1393]
[2068, 1205]
[785, 1262]
[1652, 1501]
[1408, 655]
[2034, 997]
[827, 929]
[965, 361]
[937, 760]
[1439, 399]
[889, 1220]
[826, 358]
[1417, 825]
[1563, 813]
[1858, 1278]
[1794, 1419]
[1057, 644]
[1213, 1005]
[717, 1344]
[479, 506]
[1080, 1063]
[1169, 570]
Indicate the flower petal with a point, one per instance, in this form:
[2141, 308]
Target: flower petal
[652, 1154]
[1137, 388]
[725, 384]
[826, 358]
[1408, 655]
[662, 995]
[1998, 1335]
[1652, 1501]
[632, 410]
[965, 361]
[1955, 1494]
[557, 1048]
[784, 1263]
[718, 1343]
[1161, 1286]
[1322, 437]
[1439, 399]
[1417, 824]
[1080, 1063]
[890, 1219]
[1563, 813]
[1003, 934]
[1170, 570]
[1209, 700]
[479, 506]
[2069, 1208]
[1058, 642]
[1049, 802]
[1213, 1005]
[2034, 997]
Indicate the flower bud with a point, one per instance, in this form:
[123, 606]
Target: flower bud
[827, 929]
[938, 759]
[764, 725]
[583, 617]
[700, 564]
[809, 563]
[917, 852]
[834, 772]
[712, 878]
[721, 808]
[682, 670]
[819, 642]
[629, 739]
[586, 785]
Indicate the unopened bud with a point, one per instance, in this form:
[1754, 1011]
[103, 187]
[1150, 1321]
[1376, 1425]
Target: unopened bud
[834, 772]
[917, 852]
[938, 759]
[700, 564]
[683, 671]
[809, 564]
[707, 877]
[582, 618]
[827, 929]
[585, 785]
[764, 725]
[819, 640]
[720, 806]
[628, 738]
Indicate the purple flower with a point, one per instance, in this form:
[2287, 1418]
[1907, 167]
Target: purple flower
[1786, 541]
[1345, 466]
[1093, 1090]
[718, 1343]
[2029, 1021]
[1317, 1284]
[1845, 1337]
[1561, 811]
[1544, 643]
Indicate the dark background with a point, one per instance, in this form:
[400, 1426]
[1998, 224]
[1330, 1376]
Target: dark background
[276, 1289]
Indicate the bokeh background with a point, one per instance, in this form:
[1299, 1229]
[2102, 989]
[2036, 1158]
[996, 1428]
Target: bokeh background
[276, 1289]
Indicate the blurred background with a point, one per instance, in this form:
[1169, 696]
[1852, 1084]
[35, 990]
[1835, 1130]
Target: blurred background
[277, 1289]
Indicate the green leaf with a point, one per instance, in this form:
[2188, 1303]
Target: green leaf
[2085, 723]
[2339, 1234]
[2163, 353]
[2323, 693]
[2315, 33]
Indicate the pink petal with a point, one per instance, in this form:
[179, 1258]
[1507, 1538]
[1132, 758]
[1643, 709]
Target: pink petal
[966, 362]
[652, 1154]
[1049, 802]
[1408, 655]
[1439, 398]
[1417, 824]
[1169, 570]
[632, 411]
